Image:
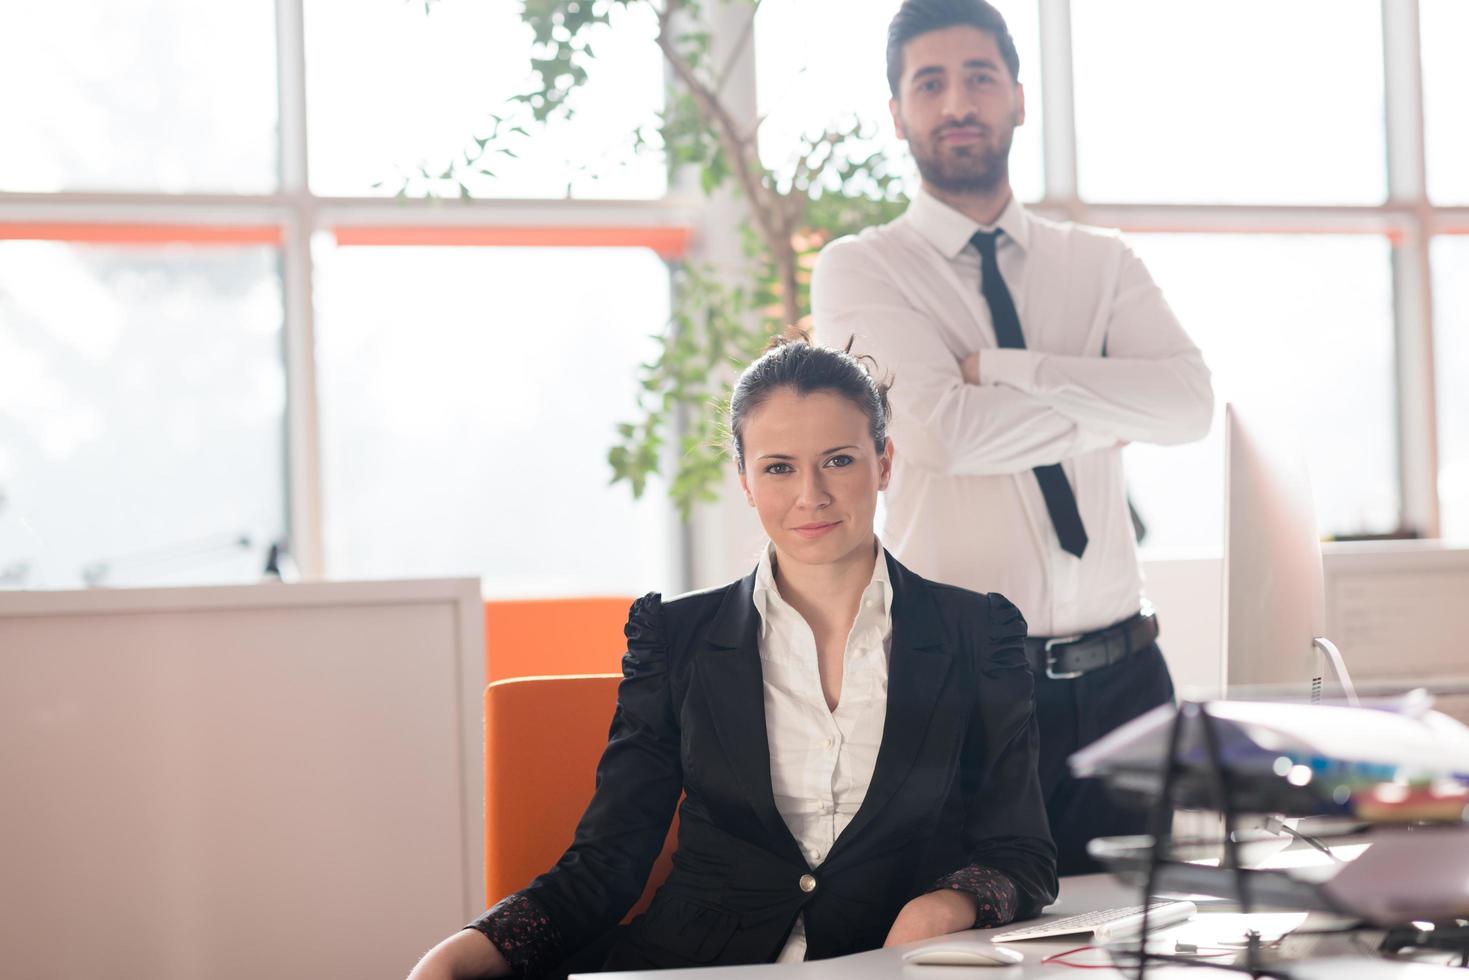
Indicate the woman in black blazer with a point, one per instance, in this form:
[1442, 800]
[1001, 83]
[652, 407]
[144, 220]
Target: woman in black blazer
[951, 833]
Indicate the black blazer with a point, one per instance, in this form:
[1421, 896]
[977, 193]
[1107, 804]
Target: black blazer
[955, 784]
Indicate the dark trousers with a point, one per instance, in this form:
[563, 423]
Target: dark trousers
[1074, 713]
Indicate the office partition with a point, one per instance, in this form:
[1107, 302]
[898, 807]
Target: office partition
[273, 780]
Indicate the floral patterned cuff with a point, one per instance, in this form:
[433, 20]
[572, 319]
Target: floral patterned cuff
[994, 893]
[523, 933]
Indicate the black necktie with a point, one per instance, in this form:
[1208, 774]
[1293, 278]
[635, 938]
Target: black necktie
[1055, 488]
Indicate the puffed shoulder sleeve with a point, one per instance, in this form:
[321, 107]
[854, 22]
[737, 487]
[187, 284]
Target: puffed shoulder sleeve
[643, 698]
[1005, 646]
[647, 647]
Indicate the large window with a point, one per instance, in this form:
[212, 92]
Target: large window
[1445, 80]
[220, 332]
[144, 95]
[142, 401]
[1229, 102]
[219, 329]
[1297, 329]
[466, 418]
[409, 92]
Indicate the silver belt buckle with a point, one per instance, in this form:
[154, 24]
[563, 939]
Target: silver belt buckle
[1051, 671]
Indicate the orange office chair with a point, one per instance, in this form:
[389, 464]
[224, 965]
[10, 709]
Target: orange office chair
[537, 787]
[536, 637]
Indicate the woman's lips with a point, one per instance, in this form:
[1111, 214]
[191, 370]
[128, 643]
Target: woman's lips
[811, 531]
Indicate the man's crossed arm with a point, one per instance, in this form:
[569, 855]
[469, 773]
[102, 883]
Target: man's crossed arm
[1009, 410]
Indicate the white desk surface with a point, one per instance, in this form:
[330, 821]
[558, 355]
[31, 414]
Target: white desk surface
[1084, 893]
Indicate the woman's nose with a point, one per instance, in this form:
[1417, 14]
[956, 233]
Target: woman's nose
[813, 491]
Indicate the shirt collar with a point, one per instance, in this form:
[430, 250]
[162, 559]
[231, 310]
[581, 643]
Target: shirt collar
[949, 230]
[767, 596]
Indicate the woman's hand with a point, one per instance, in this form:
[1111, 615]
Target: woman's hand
[463, 955]
[934, 914]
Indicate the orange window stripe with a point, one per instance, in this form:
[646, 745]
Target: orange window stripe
[670, 242]
[141, 234]
[1393, 235]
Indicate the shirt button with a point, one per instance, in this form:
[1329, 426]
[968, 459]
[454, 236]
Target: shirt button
[808, 883]
[830, 742]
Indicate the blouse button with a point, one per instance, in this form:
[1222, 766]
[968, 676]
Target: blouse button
[808, 883]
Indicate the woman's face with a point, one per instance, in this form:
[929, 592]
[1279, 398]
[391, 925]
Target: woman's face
[812, 473]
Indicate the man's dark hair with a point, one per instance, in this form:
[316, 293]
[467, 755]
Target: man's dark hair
[917, 17]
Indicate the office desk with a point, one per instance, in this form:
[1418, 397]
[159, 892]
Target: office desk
[1080, 894]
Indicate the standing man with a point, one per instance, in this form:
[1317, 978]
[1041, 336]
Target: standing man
[1025, 354]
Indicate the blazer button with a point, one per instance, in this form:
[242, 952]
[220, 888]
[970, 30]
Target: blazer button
[808, 883]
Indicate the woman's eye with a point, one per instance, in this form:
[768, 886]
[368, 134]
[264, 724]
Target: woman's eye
[778, 468]
[839, 461]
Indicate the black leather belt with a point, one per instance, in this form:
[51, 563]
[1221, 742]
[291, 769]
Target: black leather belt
[1064, 657]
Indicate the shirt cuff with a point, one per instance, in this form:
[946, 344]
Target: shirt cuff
[1013, 366]
[995, 895]
[523, 933]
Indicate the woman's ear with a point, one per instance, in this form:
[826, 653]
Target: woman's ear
[885, 465]
[745, 486]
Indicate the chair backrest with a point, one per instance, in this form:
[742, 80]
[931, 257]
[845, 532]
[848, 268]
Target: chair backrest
[543, 737]
[539, 637]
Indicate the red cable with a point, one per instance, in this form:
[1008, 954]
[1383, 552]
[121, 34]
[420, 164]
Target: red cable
[1060, 960]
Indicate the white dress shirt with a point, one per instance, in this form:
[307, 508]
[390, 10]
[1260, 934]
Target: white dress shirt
[1106, 362]
[821, 761]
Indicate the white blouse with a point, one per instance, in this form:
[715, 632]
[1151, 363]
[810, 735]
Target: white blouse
[821, 761]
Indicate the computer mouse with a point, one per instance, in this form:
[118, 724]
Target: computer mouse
[964, 953]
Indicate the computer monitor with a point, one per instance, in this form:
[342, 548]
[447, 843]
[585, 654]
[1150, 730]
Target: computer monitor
[1274, 589]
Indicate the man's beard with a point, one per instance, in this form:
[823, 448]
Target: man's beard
[978, 168]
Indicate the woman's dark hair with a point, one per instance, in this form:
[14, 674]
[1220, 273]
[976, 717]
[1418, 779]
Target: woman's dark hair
[917, 17]
[806, 368]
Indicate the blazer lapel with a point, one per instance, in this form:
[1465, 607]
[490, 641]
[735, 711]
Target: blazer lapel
[917, 668]
[734, 690]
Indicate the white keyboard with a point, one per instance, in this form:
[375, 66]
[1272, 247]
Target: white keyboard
[1105, 925]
